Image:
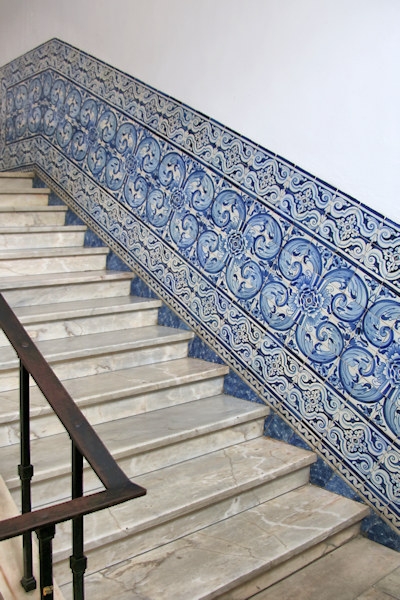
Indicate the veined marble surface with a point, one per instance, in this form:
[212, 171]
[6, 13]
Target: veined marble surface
[144, 442]
[13, 238]
[60, 287]
[228, 552]
[34, 197]
[227, 482]
[124, 393]
[35, 217]
[48, 260]
[78, 356]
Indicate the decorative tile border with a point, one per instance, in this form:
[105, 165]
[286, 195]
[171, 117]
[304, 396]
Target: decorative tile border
[291, 282]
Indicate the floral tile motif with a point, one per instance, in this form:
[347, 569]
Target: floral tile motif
[294, 284]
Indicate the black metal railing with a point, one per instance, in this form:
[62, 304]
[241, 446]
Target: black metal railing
[85, 445]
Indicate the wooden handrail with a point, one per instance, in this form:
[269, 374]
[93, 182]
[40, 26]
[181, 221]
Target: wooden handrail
[118, 486]
[77, 426]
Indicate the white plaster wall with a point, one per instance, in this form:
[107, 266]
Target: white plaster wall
[316, 81]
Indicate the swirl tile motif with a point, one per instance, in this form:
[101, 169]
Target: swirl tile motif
[294, 284]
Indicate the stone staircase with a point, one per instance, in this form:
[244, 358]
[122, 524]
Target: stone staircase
[228, 512]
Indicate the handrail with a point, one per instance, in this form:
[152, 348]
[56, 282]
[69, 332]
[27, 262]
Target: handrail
[85, 441]
[77, 426]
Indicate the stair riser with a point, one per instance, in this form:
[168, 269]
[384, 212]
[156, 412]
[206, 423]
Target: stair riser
[117, 545]
[32, 219]
[82, 326]
[12, 184]
[52, 490]
[65, 293]
[16, 241]
[265, 580]
[23, 200]
[82, 366]
[48, 424]
[41, 266]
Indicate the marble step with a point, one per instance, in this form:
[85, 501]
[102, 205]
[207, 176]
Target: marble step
[32, 216]
[141, 443]
[237, 557]
[124, 393]
[11, 565]
[227, 482]
[42, 261]
[15, 180]
[66, 319]
[95, 353]
[63, 287]
[25, 197]
[14, 238]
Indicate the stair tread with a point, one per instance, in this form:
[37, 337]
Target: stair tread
[139, 433]
[83, 308]
[41, 229]
[218, 558]
[51, 279]
[40, 208]
[28, 253]
[173, 491]
[109, 386]
[25, 191]
[17, 174]
[96, 344]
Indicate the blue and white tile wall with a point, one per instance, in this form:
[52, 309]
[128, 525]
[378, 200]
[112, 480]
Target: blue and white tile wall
[294, 284]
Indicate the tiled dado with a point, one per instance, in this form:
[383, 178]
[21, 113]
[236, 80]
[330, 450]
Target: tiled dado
[293, 283]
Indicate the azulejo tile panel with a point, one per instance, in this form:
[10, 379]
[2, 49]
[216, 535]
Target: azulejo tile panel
[293, 283]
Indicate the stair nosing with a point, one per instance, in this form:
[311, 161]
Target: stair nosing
[17, 174]
[246, 413]
[44, 253]
[240, 570]
[56, 312]
[28, 192]
[55, 279]
[27, 229]
[208, 372]
[75, 347]
[39, 208]
[299, 460]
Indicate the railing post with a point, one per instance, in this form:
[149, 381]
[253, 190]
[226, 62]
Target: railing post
[45, 536]
[25, 472]
[78, 560]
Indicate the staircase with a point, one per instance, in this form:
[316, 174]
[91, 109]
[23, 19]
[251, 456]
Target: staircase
[228, 512]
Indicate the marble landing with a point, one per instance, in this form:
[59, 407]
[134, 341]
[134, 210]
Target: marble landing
[31, 290]
[10, 181]
[212, 562]
[124, 393]
[21, 198]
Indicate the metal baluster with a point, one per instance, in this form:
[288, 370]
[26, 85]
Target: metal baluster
[45, 536]
[25, 472]
[78, 560]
